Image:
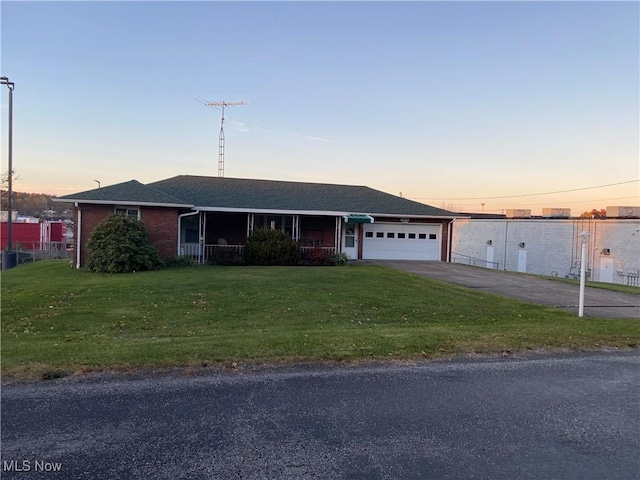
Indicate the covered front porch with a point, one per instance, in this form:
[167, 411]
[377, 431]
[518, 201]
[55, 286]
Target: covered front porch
[205, 235]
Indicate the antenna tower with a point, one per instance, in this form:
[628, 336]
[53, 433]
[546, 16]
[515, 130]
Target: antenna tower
[220, 106]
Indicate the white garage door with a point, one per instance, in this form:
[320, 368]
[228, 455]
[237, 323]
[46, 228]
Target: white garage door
[397, 241]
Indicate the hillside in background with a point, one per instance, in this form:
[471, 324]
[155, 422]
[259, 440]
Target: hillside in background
[39, 205]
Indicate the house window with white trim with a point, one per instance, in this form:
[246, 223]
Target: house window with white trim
[287, 224]
[129, 211]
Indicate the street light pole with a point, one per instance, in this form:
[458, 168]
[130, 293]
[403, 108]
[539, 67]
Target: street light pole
[10, 86]
[583, 263]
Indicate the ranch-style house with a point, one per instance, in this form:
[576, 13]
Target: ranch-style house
[194, 215]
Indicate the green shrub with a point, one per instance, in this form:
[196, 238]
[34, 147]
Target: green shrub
[317, 257]
[341, 259]
[271, 247]
[180, 261]
[120, 244]
[226, 256]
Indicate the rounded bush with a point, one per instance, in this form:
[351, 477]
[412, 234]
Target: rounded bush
[271, 247]
[120, 244]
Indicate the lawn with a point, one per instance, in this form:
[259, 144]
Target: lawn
[55, 318]
[615, 287]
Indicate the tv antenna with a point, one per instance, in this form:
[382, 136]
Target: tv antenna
[220, 106]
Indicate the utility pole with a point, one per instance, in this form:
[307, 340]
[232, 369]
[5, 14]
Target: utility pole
[220, 106]
[9, 259]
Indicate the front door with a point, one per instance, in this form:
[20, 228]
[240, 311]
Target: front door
[350, 240]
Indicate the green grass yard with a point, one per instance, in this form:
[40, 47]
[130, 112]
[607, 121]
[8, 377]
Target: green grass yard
[57, 318]
[607, 286]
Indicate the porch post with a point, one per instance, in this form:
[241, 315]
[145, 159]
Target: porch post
[78, 236]
[249, 224]
[296, 227]
[200, 237]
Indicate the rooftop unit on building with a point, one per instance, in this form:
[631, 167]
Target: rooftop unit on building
[518, 213]
[556, 212]
[623, 212]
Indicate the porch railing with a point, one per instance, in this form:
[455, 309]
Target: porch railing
[326, 249]
[477, 262]
[202, 253]
[230, 249]
[190, 250]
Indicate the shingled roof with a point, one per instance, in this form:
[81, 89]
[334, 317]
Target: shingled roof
[211, 193]
[131, 193]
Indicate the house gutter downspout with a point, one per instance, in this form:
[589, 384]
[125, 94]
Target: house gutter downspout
[180, 217]
[79, 236]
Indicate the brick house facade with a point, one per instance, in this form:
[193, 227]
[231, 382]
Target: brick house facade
[194, 216]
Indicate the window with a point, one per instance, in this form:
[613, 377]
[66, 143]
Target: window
[130, 211]
[369, 234]
[379, 234]
[284, 223]
[401, 235]
[412, 235]
[432, 236]
[422, 236]
[190, 229]
[390, 235]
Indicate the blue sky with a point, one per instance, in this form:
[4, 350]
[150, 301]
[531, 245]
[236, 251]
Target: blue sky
[449, 103]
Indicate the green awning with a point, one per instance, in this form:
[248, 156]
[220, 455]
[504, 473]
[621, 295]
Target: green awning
[358, 218]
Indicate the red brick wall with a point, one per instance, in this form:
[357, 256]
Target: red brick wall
[161, 223]
[90, 217]
[445, 240]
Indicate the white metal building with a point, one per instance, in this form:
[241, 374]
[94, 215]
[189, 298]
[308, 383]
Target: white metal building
[551, 247]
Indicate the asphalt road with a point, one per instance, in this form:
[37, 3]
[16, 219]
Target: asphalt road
[598, 302]
[571, 417]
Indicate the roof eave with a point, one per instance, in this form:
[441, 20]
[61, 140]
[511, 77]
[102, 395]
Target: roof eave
[400, 215]
[122, 202]
[271, 210]
[333, 213]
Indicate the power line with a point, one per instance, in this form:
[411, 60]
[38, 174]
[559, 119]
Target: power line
[527, 194]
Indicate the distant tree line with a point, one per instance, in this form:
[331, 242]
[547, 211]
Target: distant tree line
[38, 205]
[602, 213]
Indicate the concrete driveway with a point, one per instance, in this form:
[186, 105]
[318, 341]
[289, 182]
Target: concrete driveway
[598, 302]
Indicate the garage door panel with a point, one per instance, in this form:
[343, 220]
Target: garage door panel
[387, 241]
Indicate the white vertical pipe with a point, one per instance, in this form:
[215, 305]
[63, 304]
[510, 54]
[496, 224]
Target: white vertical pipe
[79, 236]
